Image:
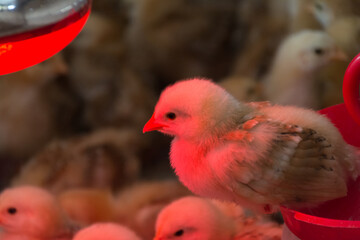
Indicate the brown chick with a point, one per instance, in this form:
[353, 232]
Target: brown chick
[36, 105]
[139, 205]
[177, 39]
[112, 93]
[262, 24]
[106, 158]
[88, 205]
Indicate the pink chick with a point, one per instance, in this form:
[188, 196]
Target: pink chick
[106, 231]
[193, 218]
[257, 155]
[31, 213]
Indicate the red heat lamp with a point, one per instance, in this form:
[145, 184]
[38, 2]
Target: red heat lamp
[339, 218]
[31, 31]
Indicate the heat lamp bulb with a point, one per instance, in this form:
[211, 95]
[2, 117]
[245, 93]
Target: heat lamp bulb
[32, 31]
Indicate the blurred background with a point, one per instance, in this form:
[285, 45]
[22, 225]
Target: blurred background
[76, 119]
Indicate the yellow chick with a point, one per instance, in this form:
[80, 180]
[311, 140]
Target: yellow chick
[292, 78]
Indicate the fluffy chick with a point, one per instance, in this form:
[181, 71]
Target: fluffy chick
[36, 105]
[87, 206]
[31, 213]
[292, 78]
[112, 93]
[108, 231]
[180, 38]
[106, 158]
[326, 11]
[199, 218]
[194, 218]
[253, 154]
[138, 206]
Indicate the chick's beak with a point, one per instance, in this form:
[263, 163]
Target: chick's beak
[339, 54]
[158, 238]
[152, 125]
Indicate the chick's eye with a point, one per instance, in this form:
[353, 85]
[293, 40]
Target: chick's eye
[319, 6]
[179, 233]
[12, 210]
[319, 51]
[170, 115]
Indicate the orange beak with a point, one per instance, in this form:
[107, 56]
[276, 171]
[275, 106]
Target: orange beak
[339, 55]
[152, 125]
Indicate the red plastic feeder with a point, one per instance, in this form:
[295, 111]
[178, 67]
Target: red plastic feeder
[339, 218]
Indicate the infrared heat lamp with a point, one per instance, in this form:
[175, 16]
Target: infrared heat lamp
[31, 31]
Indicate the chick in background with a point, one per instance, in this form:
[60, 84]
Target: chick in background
[36, 105]
[328, 11]
[32, 213]
[199, 218]
[108, 231]
[107, 158]
[292, 77]
[88, 205]
[137, 206]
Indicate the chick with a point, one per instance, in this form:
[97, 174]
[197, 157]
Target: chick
[88, 205]
[301, 18]
[257, 155]
[31, 213]
[194, 218]
[106, 158]
[292, 78]
[176, 39]
[112, 92]
[326, 11]
[199, 218]
[108, 231]
[138, 206]
[36, 105]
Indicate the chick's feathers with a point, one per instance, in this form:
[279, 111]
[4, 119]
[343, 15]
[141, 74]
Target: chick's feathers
[254, 154]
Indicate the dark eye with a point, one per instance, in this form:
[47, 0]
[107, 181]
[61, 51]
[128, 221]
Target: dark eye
[12, 210]
[319, 51]
[171, 115]
[179, 233]
[319, 6]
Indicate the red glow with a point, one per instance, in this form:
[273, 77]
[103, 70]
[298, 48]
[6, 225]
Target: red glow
[27, 49]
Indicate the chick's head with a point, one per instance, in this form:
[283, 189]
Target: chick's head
[193, 218]
[311, 50]
[191, 108]
[29, 211]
